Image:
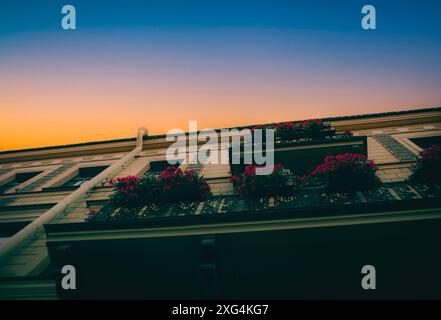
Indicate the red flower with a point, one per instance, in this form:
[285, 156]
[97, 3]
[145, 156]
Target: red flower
[335, 169]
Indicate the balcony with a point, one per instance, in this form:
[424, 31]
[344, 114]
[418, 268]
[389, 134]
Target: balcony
[393, 195]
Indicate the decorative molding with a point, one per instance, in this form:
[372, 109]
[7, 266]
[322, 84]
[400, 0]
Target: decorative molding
[248, 226]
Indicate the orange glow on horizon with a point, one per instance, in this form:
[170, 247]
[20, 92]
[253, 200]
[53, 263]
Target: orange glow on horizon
[69, 125]
[38, 112]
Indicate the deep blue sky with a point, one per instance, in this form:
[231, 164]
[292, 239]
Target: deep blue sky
[400, 17]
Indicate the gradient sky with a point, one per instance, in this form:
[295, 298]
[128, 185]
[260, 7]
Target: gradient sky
[160, 63]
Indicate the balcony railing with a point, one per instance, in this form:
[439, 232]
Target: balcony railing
[388, 194]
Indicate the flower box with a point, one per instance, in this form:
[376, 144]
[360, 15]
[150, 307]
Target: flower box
[303, 130]
[171, 186]
[345, 173]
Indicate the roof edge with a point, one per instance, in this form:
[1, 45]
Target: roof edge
[338, 118]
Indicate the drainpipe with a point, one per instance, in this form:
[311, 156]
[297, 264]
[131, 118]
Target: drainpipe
[32, 228]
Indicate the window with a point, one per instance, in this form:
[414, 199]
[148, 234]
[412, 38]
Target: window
[157, 167]
[426, 142]
[84, 174]
[8, 229]
[18, 179]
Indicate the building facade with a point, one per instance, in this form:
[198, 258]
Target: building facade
[312, 245]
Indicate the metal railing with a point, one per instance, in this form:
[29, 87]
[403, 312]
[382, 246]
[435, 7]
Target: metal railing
[389, 193]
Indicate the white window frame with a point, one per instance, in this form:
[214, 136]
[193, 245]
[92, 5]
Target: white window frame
[404, 139]
[9, 176]
[65, 176]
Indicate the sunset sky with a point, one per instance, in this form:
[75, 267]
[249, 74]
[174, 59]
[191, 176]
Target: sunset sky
[161, 63]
